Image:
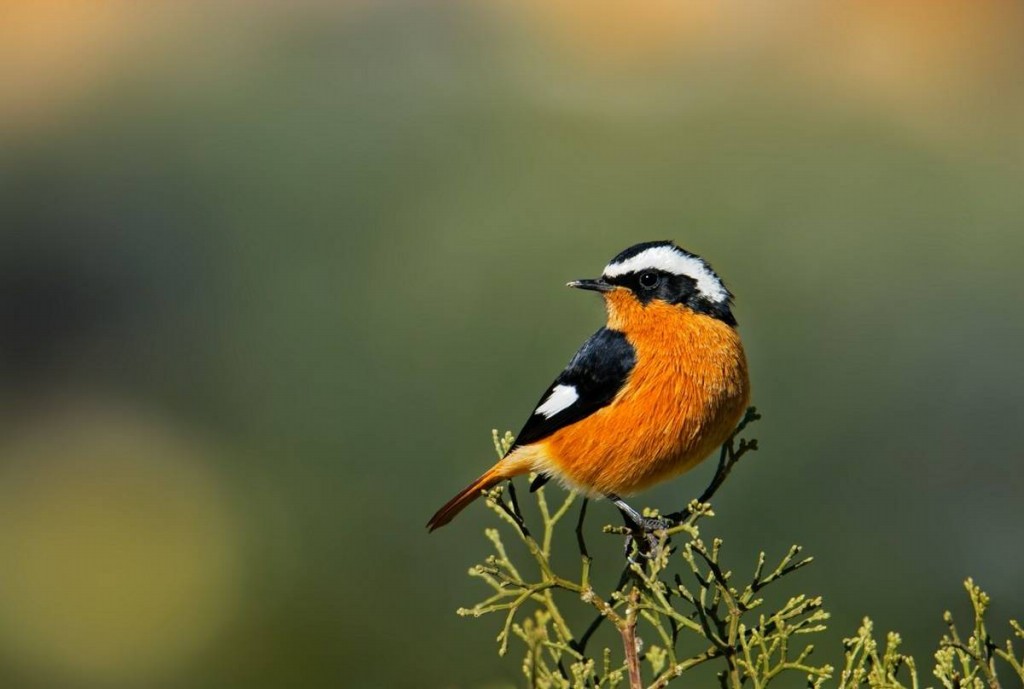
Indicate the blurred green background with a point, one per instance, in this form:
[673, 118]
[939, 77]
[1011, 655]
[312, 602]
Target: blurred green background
[272, 271]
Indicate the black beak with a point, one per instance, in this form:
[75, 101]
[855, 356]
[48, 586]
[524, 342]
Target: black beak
[598, 285]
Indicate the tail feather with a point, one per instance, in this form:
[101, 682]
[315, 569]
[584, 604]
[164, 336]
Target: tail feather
[492, 477]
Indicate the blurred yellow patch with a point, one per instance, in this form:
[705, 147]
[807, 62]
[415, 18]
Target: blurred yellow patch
[117, 548]
[912, 49]
[624, 32]
[52, 51]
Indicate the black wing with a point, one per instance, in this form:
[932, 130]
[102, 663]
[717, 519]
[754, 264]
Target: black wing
[591, 380]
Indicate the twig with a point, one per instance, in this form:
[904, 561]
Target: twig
[580, 540]
[595, 624]
[628, 631]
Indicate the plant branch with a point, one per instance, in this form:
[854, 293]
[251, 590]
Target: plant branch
[629, 641]
[684, 596]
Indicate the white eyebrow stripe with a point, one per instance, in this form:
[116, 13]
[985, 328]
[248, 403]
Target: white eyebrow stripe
[666, 258]
[561, 397]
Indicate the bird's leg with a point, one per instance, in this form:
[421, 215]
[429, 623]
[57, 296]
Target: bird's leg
[638, 522]
[641, 529]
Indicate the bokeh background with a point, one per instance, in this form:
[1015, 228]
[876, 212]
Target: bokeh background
[271, 271]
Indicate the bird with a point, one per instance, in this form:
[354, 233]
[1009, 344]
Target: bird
[647, 397]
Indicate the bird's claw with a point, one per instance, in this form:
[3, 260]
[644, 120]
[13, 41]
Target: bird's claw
[646, 538]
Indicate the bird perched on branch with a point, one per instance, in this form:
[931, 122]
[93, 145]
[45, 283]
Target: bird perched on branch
[646, 398]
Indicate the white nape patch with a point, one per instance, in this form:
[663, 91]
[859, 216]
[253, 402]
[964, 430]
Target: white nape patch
[666, 258]
[561, 397]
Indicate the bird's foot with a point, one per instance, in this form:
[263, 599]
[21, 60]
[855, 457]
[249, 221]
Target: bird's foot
[646, 535]
[646, 538]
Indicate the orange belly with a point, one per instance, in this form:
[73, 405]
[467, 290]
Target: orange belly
[684, 397]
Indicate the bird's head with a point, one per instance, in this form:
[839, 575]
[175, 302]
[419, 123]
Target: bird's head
[664, 274]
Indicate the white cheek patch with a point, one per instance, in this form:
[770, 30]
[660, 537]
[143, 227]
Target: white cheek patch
[561, 397]
[666, 258]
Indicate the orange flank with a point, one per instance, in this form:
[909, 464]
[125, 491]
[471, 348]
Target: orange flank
[685, 395]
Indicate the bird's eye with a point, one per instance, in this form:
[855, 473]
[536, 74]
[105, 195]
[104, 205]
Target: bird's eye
[649, 280]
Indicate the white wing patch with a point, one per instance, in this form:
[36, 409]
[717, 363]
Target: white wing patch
[561, 397]
[670, 260]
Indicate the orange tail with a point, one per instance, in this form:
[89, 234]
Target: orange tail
[492, 477]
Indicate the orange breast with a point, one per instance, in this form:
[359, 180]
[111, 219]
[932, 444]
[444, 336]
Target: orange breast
[685, 395]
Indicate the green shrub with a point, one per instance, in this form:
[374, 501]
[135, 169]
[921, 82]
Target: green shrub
[681, 588]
